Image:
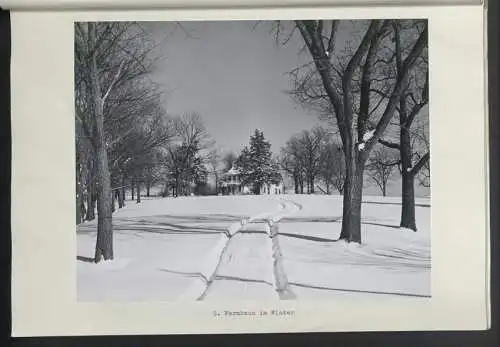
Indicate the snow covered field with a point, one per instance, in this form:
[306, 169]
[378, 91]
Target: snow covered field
[254, 248]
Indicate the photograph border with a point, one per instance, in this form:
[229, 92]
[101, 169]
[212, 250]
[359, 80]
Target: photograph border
[202, 332]
[381, 201]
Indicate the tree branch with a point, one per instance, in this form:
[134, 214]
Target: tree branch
[366, 74]
[398, 88]
[418, 106]
[360, 52]
[115, 79]
[389, 144]
[420, 164]
[323, 66]
[331, 40]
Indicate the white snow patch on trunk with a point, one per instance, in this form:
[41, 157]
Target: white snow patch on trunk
[368, 135]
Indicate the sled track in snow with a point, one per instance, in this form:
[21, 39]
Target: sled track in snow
[280, 278]
[271, 230]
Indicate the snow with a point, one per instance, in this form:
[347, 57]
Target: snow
[246, 267]
[255, 247]
[361, 146]
[388, 260]
[233, 171]
[168, 243]
[368, 135]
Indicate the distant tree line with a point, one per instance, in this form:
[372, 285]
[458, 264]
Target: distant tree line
[125, 141]
[313, 156]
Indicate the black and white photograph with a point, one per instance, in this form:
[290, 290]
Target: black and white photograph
[252, 160]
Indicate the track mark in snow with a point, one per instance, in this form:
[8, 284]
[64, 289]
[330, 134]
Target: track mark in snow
[280, 278]
[198, 289]
[243, 269]
[251, 259]
[358, 290]
[308, 238]
[241, 279]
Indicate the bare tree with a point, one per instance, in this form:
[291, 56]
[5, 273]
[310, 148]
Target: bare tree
[189, 153]
[191, 130]
[313, 155]
[107, 57]
[346, 85]
[311, 143]
[381, 166]
[292, 162]
[216, 167]
[412, 101]
[332, 168]
[134, 152]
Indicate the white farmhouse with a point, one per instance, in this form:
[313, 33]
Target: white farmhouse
[232, 185]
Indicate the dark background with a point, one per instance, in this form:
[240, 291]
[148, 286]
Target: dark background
[385, 339]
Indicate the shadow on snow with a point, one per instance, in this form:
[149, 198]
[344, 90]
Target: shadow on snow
[170, 224]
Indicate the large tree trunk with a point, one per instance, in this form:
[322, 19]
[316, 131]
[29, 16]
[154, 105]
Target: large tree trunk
[408, 203]
[148, 188]
[104, 244]
[405, 151]
[312, 184]
[353, 194]
[91, 201]
[408, 183]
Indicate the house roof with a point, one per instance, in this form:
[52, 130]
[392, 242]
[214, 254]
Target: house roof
[233, 171]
